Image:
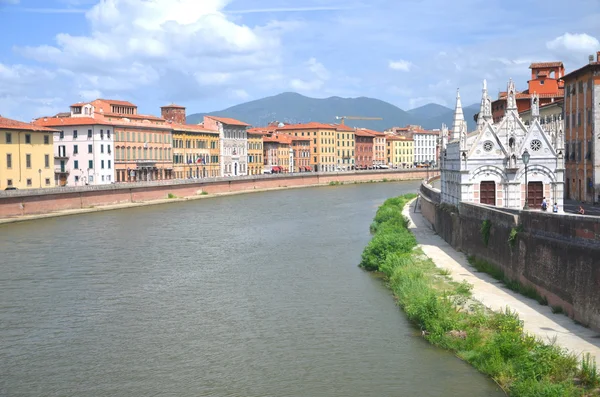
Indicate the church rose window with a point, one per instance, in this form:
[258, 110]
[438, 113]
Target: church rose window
[488, 146]
[536, 145]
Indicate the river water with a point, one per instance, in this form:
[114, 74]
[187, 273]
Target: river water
[248, 295]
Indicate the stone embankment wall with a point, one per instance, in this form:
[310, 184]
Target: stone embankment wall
[557, 254]
[17, 203]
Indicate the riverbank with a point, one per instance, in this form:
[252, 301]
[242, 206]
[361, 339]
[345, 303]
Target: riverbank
[455, 314]
[172, 199]
[23, 203]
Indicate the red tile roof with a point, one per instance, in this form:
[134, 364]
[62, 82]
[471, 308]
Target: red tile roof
[343, 127]
[262, 130]
[595, 65]
[116, 102]
[229, 121]
[69, 121]
[279, 138]
[191, 127]
[536, 65]
[525, 95]
[79, 104]
[313, 125]
[360, 132]
[173, 106]
[134, 116]
[10, 124]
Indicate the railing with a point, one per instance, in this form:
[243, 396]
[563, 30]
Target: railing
[61, 171]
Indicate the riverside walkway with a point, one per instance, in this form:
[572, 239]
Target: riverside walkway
[538, 320]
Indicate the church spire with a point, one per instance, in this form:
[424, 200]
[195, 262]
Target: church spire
[459, 118]
[485, 110]
[511, 96]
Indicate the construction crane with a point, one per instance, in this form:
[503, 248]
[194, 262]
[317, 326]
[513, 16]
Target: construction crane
[355, 118]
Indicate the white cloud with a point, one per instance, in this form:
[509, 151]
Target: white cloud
[319, 73]
[401, 65]
[580, 43]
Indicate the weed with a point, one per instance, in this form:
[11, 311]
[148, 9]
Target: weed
[486, 226]
[335, 183]
[385, 180]
[493, 342]
[171, 196]
[204, 193]
[514, 233]
[557, 310]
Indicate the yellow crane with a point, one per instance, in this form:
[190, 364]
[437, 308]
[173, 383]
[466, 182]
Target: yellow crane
[355, 118]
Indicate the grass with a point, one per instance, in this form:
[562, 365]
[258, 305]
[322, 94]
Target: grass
[493, 342]
[171, 196]
[204, 193]
[335, 183]
[498, 274]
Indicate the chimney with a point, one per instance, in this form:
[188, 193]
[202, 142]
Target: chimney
[590, 59]
[598, 56]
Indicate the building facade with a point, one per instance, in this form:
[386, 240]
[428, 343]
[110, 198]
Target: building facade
[364, 149]
[192, 157]
[26, 155]
[582, 147]
[322, 143]
[546, 82]
[505, 164]
[399, 151]
[345, 148]
[301, 154]
[424, 147]
[233, 144]
[379, 148]
[255, 152]
[83, 150]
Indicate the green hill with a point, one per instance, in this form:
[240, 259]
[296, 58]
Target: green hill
[290, 107]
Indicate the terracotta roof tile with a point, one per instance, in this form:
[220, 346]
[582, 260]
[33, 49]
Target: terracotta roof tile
[116, 102]
[173, 105]
[191, 127]
[576, 72]
[279, 138]
[313, 125]
[134, 116]
[343, 127]
[69, 121]
[262, 130]
[536, 65]
[10, 124]
[229, 121]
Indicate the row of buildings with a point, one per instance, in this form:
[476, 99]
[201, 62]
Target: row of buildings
[108, 141]
[528, 145]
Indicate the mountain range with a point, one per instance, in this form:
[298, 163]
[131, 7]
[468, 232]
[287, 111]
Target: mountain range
[291, 107]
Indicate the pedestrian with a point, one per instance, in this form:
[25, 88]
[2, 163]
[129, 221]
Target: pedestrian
[581, 210]
[544, 204]
[555, 208]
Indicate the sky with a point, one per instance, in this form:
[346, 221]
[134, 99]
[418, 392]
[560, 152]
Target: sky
[208, 55]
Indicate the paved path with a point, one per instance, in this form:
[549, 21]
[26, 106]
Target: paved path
[538, 320]
[572, 207]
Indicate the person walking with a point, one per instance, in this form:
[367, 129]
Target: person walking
[555, 208]
[544, 204]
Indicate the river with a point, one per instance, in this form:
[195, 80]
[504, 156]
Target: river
[249, 295]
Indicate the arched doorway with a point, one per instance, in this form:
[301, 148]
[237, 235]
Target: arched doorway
[487, 192]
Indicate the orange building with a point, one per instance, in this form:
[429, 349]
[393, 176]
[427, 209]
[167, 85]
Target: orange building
[582, 118]
[301, 154]
[322, 143]
[278, 153]
[546, 81]
[364, 156]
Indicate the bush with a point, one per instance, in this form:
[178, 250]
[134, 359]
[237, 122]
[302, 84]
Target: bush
[493, 342]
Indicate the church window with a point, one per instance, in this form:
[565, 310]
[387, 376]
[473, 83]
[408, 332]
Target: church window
[535, 145]
[488, 146]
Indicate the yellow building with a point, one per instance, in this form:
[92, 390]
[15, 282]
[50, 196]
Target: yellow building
[399, 151]
[255, 151]
[323, 155]
[345, 147]
[195, 151]
[26, 155]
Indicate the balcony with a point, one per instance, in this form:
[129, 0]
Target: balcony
[60, 170]
[60, 156]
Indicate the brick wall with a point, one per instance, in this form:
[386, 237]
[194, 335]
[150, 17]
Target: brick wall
[41, 201]
[559, 255]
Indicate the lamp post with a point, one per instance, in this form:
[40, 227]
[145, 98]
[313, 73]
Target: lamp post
[526, 161]
[40, 172]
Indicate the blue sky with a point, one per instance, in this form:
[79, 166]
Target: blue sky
[211, 54]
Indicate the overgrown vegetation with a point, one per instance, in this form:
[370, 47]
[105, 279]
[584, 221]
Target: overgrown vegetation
[204, 193]
[497, 273]
[335, 183]
[171, 196]
[493, 342]
[449, 208]
[514, 233]
[486, 226]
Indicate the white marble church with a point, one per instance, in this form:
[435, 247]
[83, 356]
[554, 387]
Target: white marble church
[488, 166]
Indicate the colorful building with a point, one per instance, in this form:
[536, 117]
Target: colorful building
[546, 82]
[278, 153]
[233, 144]
[255, 151]
[323, 156]
[344, 148]
[83, 150]
[26, 155]
[364, 158]
[301, 154]
[399, 151]
[379, 148]
[192, 157]
[581, 123]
